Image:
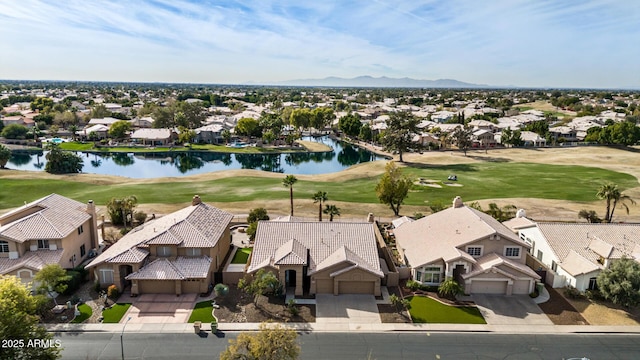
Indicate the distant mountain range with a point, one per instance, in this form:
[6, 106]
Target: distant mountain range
[369, 81]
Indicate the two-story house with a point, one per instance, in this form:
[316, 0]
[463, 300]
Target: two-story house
[51, 230]
[174, 254]
[468, 245]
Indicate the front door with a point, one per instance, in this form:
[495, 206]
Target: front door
[457, 273]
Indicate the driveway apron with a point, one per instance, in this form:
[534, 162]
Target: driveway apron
[510, 310]
[347, 309]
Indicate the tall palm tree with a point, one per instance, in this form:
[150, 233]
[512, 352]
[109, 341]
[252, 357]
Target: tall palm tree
[332, 211]
[320, 197]
[288, 181]
[607, 192]
[619, 197]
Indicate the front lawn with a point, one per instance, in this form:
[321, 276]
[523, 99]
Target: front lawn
[241, 256]
[85, 313]
[202, 312]
[115, 313]
[427, 310]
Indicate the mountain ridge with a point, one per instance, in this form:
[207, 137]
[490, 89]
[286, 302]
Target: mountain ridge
[382, 81]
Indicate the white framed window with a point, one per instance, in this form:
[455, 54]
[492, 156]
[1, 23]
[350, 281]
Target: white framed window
[106, 276]
[194, 252]
[4, 247]
[432, 274]
[164, 251]
[474, 251]
[43, 244]
[512, 252]
[539, 255]
[554, 265]
[418, 275]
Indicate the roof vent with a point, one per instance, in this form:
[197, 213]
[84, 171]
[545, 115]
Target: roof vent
[521, 213]
[457, 202]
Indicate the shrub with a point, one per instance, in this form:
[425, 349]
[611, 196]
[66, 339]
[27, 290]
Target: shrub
[43, 303]
[449, 288]
[572, 292]
[73, 282]
[140, 217]
[113, 292]
[413, 285]
[221, 289]
[97, 287]
[124, 231]
[293, 309]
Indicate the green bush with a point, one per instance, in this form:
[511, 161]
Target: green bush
[74, 282]
[413, 285]
[572, 292]
[293, 309]
[140, 217]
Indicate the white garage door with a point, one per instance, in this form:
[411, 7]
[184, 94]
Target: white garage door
[521, 287]
[488, 287]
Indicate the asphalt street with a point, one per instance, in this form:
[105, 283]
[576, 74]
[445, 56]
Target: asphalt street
[363, 346]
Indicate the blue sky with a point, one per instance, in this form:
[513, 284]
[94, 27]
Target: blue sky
[556, 43]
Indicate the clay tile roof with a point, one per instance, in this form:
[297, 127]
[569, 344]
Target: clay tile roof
[501, 264]
[34, 260]
[52, 217]
[437, 236]
[290, 253]
[575, 264]
[179, 269]
[199, 225]
[131, 256]
[322, 239]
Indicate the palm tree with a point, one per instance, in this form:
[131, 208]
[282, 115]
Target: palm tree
[288, 181]
[320, 197]
[332, 211]
[73, 129]
[607, 192]
[619, 197]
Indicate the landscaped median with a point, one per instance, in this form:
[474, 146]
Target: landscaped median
[427, 310]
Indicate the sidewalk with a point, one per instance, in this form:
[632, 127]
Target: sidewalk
[332, 327]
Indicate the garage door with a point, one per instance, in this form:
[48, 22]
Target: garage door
[356, 287]
[324, 286]
[190, 287]
[489, 287]
[156, 287]
[521, 287]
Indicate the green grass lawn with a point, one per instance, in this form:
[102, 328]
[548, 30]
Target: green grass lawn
[492, 180]
[115, 313]
[202, 312]
[241, 256]
[85, 313]
[427, 310]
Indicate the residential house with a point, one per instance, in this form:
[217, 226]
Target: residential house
[50, 230]
[483, 138]
[532, 139]
[174, 254]
[100, 131]
[319, 257]
[575, 253]
[210, 134]
[142, 122]
[107, 121]
[469, 246]
[19, 120]
[154, 137]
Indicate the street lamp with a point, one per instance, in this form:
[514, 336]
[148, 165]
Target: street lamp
[121, 335]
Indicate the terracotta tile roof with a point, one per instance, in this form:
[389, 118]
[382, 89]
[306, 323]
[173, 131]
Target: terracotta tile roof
[501, 264]
[199, 225]
[344, 254]
[437, 236]
[179, 269]
[55, 217]
[518, 223]
[323, 239]
[34, 260]
[564, 237]
[131, 256]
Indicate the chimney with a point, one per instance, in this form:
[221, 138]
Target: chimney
[521, 213]
[457, 202]
[91, 207]
[196, 200]
[370, 217]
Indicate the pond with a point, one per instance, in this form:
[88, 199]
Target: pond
[153, 165]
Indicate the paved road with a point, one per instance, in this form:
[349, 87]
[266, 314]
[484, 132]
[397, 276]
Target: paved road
[380, 346]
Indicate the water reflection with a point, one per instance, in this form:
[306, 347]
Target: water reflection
[162, 164]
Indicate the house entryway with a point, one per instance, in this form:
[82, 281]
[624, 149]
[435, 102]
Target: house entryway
[347, 309]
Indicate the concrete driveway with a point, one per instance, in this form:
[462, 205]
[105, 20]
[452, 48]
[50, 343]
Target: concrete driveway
[160, 309]
[346, 309]
[510, 310]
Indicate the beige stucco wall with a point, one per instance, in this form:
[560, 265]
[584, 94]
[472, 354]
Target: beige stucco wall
[353, 275]
[497, 246]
